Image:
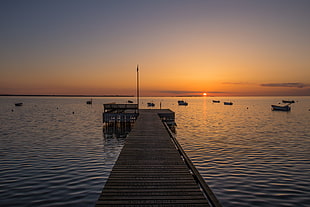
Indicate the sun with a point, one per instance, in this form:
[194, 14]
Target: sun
[204, 94]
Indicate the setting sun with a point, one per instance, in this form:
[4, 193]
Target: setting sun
[204, 94]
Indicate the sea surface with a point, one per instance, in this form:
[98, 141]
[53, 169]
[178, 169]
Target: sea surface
[53, 150]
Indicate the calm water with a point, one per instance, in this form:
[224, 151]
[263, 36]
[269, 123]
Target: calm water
[53, 151]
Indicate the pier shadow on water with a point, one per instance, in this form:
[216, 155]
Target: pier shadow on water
[117, 129]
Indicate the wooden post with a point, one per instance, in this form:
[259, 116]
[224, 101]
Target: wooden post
[138, 86]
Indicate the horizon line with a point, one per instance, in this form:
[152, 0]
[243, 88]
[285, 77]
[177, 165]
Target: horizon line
[83, 95]
[66, 95]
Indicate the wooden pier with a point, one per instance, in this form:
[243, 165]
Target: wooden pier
[151, 170]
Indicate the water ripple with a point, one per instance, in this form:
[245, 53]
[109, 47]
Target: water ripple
[245, 157]
[248, 155]
[52, 157]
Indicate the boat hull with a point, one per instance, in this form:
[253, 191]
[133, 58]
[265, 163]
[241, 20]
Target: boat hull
[281, 108]
[285, 101]
[183, 104]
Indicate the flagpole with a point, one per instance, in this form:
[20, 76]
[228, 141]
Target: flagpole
[138, 86]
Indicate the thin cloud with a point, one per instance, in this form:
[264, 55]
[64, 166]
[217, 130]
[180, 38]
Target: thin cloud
[235, 83]
[190, 92]
[290, 85]
[216, 92]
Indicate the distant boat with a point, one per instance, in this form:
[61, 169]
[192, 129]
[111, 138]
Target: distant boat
[215, 101]
[89, 102]
[182, 103]
[18, 104]
[281, 108]
[228, 103]
[287, 101]
[150, 104]
[130, 101]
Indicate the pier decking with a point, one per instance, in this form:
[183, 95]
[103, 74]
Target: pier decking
[150, 170]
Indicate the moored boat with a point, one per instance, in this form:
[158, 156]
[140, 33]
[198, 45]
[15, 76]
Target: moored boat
[281, 108]
[150, 104]
[287, 101]
[215, 101]
[228, 103]
[89, 102]
[182, 103]
[18, 104]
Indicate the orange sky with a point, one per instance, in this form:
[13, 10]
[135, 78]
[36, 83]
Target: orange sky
[183, 48]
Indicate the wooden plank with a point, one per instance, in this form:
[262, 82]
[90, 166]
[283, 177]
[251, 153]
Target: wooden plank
[150, 171]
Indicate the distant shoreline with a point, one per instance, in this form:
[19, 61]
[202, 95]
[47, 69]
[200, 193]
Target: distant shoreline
[66, 95]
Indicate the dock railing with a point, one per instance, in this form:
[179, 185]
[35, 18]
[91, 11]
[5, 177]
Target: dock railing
[120, 107]
[120, 112]
[199, 179]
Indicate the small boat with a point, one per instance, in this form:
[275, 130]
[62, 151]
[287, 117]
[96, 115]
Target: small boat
[281, 108]
[215, 101]
[182, 103]
[89, 102]
[287, 101]
[18, 104]
[150, 104]
[130, 101]
[228, 103]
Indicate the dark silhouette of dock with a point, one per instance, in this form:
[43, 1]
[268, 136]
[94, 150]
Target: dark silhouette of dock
[152, 170]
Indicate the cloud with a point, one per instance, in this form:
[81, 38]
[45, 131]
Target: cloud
[191, 92]
[235, 83]
[290, 85]
[216, 92]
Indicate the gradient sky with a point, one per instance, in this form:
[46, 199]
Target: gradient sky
[223, 48]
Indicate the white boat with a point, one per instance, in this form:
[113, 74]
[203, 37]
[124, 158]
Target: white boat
[18, 104]
[281, 108]
[182, 103]
[228, 103]
[216, 101]
[150, 104]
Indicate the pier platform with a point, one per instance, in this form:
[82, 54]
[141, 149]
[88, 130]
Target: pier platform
[150, 171]
[120, 113]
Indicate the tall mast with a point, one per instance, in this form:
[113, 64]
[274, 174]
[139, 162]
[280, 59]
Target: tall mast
[138, 86]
